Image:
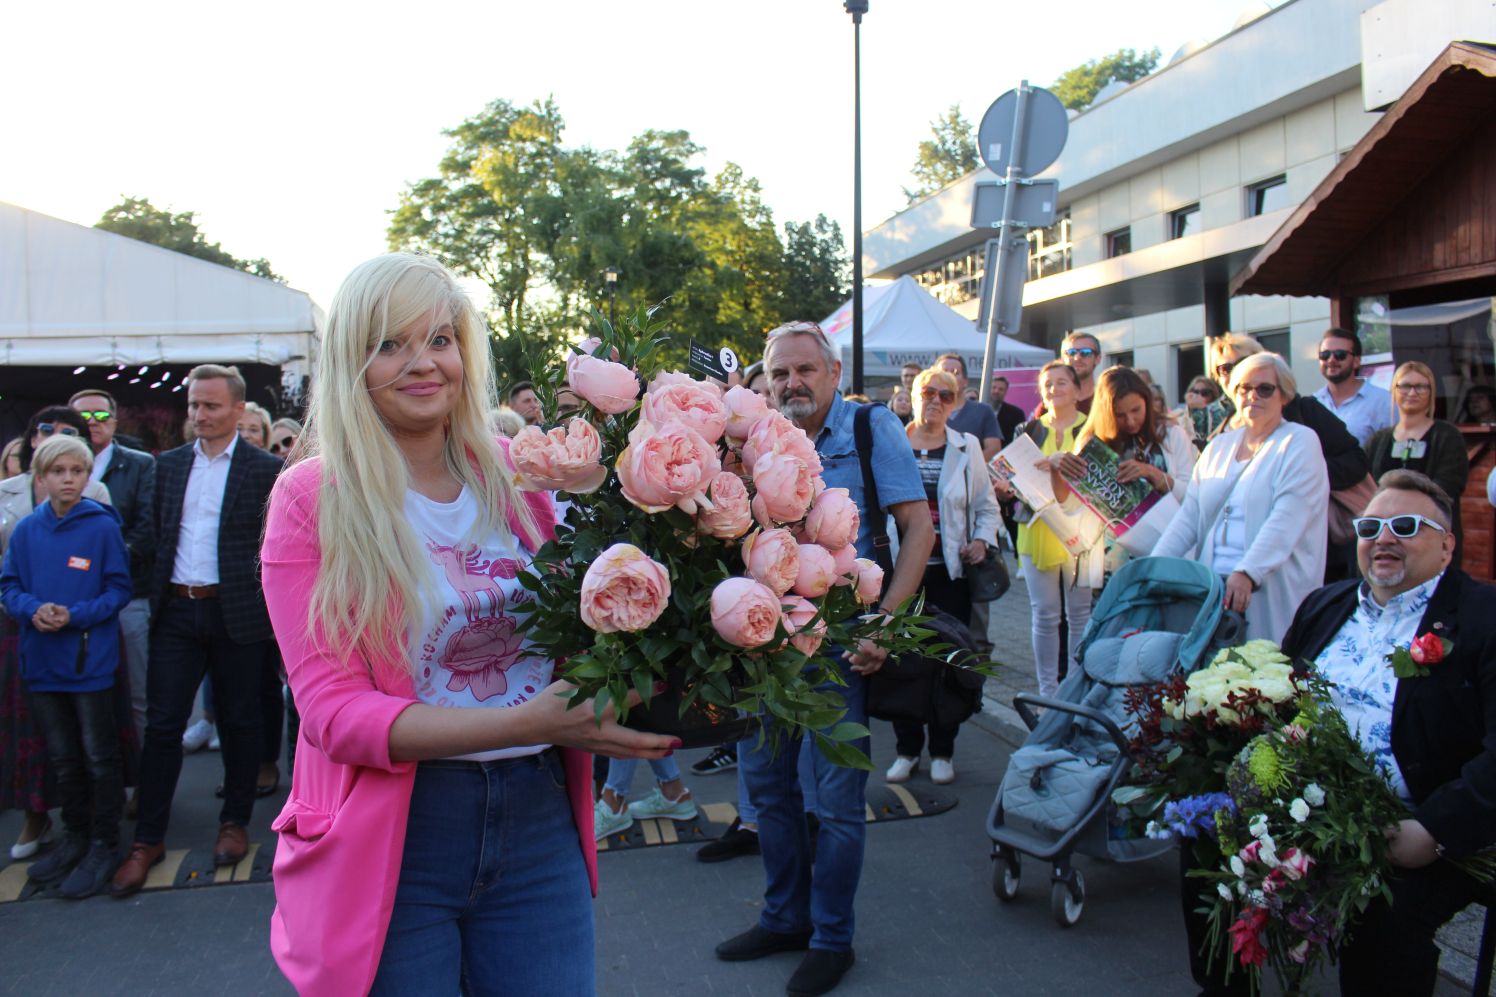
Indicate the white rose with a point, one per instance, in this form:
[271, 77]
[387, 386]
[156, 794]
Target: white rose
[1298, 810]
[1237, 867]
[1224, 891]
[1314, 795]
[1277, 690]
[1257, 826]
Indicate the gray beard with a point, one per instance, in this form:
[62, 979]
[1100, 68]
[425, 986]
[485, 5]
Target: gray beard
[797, 410]
[1392, 580]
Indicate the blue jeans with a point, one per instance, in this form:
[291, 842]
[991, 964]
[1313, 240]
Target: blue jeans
[493, 895]
[796, 897]
[621, 773]
[747, 813]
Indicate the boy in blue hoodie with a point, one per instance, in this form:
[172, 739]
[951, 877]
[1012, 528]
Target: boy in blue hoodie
[65, 579]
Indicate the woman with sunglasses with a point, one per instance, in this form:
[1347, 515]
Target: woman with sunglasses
[1255, 507]
[1206, 408]
[1419, 442]
[966, 516]
[283, 436]
[24, 777]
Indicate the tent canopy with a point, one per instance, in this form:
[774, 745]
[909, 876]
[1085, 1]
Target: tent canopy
[903, 323]
[73, 295]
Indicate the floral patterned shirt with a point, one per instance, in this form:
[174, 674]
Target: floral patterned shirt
[467, 650]
[1356, 661]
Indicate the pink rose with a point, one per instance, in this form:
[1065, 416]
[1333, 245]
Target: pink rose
[624, 589]
[817, 571]
[565, 459]
[1252, 852]
[1427, 650]
[833, 519]
[587, 347]
[745, 613]
[783, 484]
[772, 557]
[665, 378]
[607, 386]
[672, 466]
[696, 404]
[869, 581]
[798, 613]
[729, 516]
[776, 434]
[846, 565]
[744, 409]
[1296, 864]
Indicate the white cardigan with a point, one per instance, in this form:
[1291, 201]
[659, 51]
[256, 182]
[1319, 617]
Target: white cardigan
[962, 473]
[1286, 493]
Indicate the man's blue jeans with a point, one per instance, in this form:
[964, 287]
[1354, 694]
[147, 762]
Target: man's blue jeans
[493, 895]
[798, 897]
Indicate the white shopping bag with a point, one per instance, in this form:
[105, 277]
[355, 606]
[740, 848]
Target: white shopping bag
[1139, 539]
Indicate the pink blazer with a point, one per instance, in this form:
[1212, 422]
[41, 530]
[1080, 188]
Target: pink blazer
[342, 831]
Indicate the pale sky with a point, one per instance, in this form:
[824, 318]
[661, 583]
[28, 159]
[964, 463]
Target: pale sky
[291, 128]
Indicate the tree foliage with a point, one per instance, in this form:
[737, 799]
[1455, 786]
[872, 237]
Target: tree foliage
[138, 218]
[1078, 87]
[948, 155]
[537, 222]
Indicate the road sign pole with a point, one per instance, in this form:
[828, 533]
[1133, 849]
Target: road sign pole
[1004, 315]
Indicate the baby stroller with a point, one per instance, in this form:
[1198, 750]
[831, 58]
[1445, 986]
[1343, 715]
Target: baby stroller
[1157, 616]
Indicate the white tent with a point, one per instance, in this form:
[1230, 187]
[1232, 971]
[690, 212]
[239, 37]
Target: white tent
[903, 323]
[72, 295]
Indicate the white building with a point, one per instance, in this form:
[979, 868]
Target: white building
[1169, 186]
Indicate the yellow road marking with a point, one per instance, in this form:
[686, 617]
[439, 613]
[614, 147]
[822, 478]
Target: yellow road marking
[651, 829]
[667, 831]
[719, 813]
[13, 881]
[907, 798]
[246, 865]
[602, 845]
[164, 874]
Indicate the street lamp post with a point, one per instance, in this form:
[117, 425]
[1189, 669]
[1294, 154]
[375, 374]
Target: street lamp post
[610, 278]
[856, 8]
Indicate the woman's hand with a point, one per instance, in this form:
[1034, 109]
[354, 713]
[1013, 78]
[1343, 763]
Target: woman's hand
[578, 727]
[867, 659]
[1410, 846]
[974, 552]
[1133, 470]
[1069, 465]
[1238, 591]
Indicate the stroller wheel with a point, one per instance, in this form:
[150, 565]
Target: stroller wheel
[1006, 873]
[1067, 900]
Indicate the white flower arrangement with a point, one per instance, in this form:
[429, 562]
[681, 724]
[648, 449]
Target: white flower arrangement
[1256, 666]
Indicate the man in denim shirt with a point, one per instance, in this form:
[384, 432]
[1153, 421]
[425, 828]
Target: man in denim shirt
[807, 907]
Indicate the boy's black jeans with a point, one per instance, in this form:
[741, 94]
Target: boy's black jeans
[83, 750]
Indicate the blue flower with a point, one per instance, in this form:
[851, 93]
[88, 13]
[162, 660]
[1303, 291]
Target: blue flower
[1193, 814]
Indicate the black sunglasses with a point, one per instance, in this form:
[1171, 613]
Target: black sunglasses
[1224, 368]
[284, 444]
[1402, 527]
[47, 429]
[1080, 351]
[944, 394]
[1336, 354]
[1261, 390]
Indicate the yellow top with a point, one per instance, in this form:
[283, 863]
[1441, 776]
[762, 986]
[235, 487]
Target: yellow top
[1035, 539]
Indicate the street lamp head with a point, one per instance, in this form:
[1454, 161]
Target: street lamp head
[610, 277]
[856, 8]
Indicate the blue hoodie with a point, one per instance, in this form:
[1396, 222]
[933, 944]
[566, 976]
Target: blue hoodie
[80, 562]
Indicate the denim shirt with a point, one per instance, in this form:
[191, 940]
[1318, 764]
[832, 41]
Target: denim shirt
[1356, 661]
[893, 464]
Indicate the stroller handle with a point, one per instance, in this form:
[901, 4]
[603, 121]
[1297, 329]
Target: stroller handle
[1024, 699]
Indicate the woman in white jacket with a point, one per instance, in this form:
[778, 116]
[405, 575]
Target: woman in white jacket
[966, 517]
[1256, 503]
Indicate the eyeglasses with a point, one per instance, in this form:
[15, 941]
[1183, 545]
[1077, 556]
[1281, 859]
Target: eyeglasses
[47, 429]
[1224, 368]
[1413, 389]
[1336, 354]
[96, 416]
[1263, 390]
[944, 394]
[1080, 351]
[282, 444]
[1402, 527]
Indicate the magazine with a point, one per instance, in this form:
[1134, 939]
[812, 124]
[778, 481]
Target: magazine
[1119, 505]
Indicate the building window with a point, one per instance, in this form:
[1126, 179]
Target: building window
[1275, 341]
[1268, 196]
[955, 279]
[1118, 243]
[1185, 221]
[1123, 358]
[1049, 249]
[1189, 363]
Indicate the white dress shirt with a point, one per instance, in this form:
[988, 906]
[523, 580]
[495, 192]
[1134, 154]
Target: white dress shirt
[197, 543]
[101, 463]
[1363, 413]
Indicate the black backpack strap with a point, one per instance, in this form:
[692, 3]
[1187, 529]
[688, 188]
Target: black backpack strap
[862, 436]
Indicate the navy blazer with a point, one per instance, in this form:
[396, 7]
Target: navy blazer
[131, 480]
[1443, 723]
[241, 523]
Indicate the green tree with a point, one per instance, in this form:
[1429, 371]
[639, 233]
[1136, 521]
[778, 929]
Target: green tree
[817, 269]
[138, 218]
[948, 155]
[1077, 87]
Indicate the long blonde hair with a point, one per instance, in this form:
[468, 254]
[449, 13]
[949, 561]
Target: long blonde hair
[373, 570]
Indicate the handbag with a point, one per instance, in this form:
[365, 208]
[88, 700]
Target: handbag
[987, 580]
[1346, 505]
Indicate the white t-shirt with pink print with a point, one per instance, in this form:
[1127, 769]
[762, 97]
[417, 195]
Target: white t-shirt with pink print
[468, 651]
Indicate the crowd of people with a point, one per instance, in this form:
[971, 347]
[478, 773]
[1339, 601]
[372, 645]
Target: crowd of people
[274, 573]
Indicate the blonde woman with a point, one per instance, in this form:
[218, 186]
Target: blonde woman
[436, 838]
[1419, 442]
[284, 433]
[254, 426]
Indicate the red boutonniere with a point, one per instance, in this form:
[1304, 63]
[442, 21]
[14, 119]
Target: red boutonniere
[1415, 660]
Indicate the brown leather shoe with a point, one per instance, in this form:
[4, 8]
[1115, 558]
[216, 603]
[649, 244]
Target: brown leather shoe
[232, 844]
[131, 874]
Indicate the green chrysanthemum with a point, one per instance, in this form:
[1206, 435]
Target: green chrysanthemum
[1266, 767]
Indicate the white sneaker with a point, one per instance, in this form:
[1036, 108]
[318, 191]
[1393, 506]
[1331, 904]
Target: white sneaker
[656, 804]
[942, 772]
[606, 822]
[196, 737]
[901, 769]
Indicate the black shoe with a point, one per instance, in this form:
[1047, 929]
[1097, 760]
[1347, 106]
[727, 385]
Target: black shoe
[820, 971]
[91, 875]
[60, 862]
[736, 840]
[758, 941]
[723, 759]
